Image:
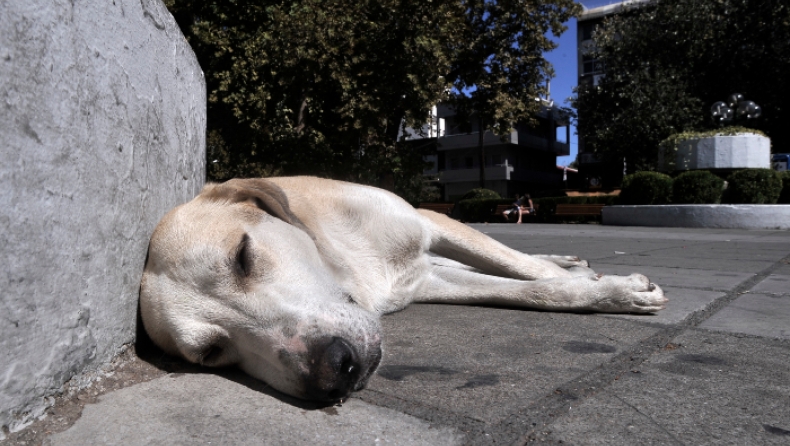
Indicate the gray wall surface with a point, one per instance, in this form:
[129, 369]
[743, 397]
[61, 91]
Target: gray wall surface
[102, 127]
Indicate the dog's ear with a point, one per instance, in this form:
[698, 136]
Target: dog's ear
[257, 191]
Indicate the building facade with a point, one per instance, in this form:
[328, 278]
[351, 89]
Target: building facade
[523, 161]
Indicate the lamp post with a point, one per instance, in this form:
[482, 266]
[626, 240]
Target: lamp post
[736, 108]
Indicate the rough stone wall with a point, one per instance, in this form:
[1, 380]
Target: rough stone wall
[102, 127]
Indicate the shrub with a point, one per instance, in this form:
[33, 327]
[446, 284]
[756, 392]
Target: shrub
[480, 193]
[753, 186]
[697, 187]
[784, 196]
[475, 210]
[646, 188]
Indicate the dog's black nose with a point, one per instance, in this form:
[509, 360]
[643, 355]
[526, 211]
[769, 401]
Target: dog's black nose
[335, 370]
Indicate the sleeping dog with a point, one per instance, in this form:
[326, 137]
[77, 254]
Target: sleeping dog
[287, 278]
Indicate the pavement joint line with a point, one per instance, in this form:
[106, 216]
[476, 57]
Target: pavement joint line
[556, 403]
[559, 402]
[699, 316]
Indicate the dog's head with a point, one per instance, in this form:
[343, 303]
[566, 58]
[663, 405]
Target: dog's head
[233, 278]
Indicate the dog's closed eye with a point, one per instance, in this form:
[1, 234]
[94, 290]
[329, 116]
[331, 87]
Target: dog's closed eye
[243, 262]
[211, 355]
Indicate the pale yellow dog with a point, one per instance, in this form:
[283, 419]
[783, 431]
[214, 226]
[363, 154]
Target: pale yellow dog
[287, 278]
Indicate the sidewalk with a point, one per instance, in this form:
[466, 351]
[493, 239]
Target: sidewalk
[713, 368]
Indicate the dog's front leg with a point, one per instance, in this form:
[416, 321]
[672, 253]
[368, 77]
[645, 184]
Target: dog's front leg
[610, 294]
[459, 242]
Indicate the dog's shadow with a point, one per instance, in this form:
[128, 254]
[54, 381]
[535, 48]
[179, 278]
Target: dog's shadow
[147, 351]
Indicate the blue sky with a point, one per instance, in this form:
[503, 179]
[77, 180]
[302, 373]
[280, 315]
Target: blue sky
[563, 58]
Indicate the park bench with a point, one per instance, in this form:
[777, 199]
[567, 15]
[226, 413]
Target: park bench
[579, 210]
[442, 208]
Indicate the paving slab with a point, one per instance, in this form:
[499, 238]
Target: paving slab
[754, 314]
[682, 303]
[680, 277]
[721, 264]
[784, 269]
[705, 389]
[484, 363]
[774, 284]
[185, 409]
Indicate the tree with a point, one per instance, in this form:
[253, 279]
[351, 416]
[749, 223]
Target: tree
[668, 61]
[500, 71]
[324, 87]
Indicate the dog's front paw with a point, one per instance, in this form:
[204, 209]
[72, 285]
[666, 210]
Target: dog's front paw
[566, 262]
[631, 294]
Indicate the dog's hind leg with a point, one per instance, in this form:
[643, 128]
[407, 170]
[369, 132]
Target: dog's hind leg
[461, 243]
[613, 294]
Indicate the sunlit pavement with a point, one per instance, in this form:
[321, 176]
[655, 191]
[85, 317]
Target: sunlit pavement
[713, 368]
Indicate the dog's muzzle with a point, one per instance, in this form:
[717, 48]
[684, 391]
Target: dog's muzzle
[337, 369]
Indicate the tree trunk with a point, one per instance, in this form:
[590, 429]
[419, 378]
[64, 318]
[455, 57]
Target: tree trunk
[481, 147]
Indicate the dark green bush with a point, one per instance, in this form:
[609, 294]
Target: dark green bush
[480, 193]
[753, 186]
[646, 188]
[476, 210]
[784, 196]
[697, 187]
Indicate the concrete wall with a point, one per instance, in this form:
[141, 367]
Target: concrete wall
[725, 216]
[719, 152]
[102, 119]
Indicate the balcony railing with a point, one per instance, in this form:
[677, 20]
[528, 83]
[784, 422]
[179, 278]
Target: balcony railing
[471, 140]
[498, 172]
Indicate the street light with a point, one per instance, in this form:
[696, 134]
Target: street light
[736, 108]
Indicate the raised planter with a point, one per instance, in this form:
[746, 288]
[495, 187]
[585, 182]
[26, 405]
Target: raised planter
[739, 151]
[726, 216]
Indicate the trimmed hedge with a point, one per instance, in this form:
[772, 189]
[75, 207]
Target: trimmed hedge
[480, 193]
[784, 196]
[753, 186]
[478, 210]
[646, 188]
[697, 187]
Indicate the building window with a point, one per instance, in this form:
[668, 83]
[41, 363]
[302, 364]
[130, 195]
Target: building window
[453, 163]
[496, 160]
[591, 65]
[470, 162]
[587, 30]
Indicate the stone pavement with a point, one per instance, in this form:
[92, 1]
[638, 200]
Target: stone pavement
[713, 368]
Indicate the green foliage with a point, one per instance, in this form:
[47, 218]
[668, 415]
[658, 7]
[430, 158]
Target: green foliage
[753, 186]
[324, 87]
[784, 196]
[663, 72]
[646, 188]
[480, 193]
[417, 189]
[697, 187]
[305, 87]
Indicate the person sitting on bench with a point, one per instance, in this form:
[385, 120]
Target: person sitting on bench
[525, 207]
